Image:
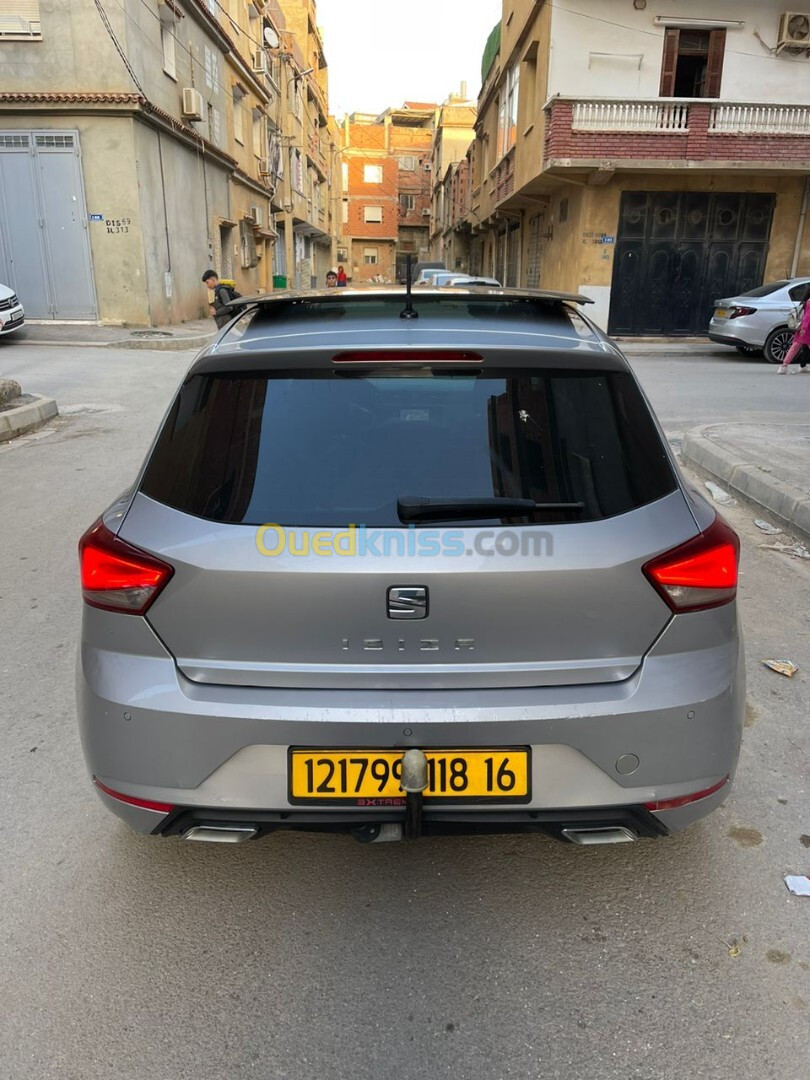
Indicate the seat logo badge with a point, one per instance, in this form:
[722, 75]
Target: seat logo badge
[407, 602]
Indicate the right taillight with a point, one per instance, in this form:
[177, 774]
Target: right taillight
[702, 573]
[736, 312]
[117, 576]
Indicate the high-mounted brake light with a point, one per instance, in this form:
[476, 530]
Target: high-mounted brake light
[702, 573]
[407, 356]
[117, 576]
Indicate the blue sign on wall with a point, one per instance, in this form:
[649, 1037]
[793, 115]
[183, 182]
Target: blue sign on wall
[96, 217]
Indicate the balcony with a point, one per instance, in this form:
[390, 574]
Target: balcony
[503, 177]
[606, 134]
[316, 154]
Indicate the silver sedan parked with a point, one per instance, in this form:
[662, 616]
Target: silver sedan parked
[434, 569]
[756, 322]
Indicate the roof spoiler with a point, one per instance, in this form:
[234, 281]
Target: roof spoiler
[482, 293]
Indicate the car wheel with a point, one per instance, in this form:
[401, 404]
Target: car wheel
[777, 345]
[748, 350]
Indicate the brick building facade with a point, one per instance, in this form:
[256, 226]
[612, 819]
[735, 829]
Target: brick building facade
[386, 196]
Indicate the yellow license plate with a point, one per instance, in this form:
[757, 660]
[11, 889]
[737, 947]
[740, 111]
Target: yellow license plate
[371, 777]
[721, 313]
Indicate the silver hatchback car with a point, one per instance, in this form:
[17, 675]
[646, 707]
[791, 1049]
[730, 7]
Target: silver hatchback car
[402, 564]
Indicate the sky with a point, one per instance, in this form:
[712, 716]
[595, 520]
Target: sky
[380, 53]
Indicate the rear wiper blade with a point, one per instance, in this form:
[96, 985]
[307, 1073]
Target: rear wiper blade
[418, 508]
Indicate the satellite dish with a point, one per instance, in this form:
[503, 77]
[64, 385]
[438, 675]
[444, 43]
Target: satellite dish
[271, 37]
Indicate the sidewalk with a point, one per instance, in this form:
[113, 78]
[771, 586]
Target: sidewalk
[764, 464]
[672, 347]
[191, 335]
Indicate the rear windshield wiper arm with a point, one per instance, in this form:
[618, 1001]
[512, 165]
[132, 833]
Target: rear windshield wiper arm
[417, 508]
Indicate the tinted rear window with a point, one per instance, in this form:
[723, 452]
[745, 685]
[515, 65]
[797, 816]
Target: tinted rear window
[321, 449]
[766, 290]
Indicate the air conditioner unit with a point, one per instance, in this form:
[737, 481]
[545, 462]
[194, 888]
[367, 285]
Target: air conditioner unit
[426, 213]
[794, 31]
[265, 168]
[257, 213]
[428, 166]
[192, 103]
[260, 62]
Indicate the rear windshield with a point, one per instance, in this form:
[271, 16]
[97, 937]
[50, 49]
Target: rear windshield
[766, 290]
[322, 449]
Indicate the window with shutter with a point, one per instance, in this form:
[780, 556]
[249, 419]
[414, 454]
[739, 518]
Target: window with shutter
[714, 73]
[671, 38]
[693, 63]
[19, 20]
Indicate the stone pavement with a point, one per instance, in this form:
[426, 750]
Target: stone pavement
[764, 464]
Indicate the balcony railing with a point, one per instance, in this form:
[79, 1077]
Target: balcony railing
[601, 132]
[630, 116]
[760, 119]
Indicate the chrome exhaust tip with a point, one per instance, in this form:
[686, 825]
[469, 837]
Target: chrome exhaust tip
[221, 834]
[613, 834]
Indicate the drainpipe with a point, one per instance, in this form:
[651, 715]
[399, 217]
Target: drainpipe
[794, 266]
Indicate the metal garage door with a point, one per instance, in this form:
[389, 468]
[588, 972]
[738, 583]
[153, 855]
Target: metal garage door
[44, 243]
[677, 252]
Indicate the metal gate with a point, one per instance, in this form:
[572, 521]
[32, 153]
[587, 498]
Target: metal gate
[533, 252]
[512, 256]
[677, 252]
[44, 243]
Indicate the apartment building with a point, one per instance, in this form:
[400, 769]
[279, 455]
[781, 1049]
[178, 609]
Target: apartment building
[386, 166]
[453, 134]
[310, 144]
[141, 142]
[653, 156]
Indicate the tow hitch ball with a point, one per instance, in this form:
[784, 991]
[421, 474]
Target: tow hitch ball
[414, 781]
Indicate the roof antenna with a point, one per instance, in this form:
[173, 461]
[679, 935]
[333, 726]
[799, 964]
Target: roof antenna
[408, 311]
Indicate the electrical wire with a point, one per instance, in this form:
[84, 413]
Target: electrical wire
[111, 33]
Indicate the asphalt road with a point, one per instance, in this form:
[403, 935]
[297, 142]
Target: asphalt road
[306, 958]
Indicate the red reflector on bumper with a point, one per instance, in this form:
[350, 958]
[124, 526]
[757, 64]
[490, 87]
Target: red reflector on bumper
[684, 800]
[145, 804]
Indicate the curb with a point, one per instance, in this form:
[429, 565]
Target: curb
[27, 417]
[789, 505]
[156, 344]
[163, 344]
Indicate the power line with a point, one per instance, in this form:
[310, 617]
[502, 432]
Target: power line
[111, 33]
[226, 90]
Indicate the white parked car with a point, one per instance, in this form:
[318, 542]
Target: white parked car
[12, 315]
[756, 322]
[470, 280]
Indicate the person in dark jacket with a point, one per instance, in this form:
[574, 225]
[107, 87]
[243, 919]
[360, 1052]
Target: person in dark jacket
[224, 292]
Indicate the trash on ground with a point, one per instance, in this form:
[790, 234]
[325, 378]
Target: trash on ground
[783, 667]
[798, 884]
[798, 551]
[719, 495]
[771, 530]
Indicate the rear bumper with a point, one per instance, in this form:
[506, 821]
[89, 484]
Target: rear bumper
[736, 332]
[149, 733]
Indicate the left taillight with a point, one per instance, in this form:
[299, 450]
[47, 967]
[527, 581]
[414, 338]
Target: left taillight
[702, 573]
[117, 576]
